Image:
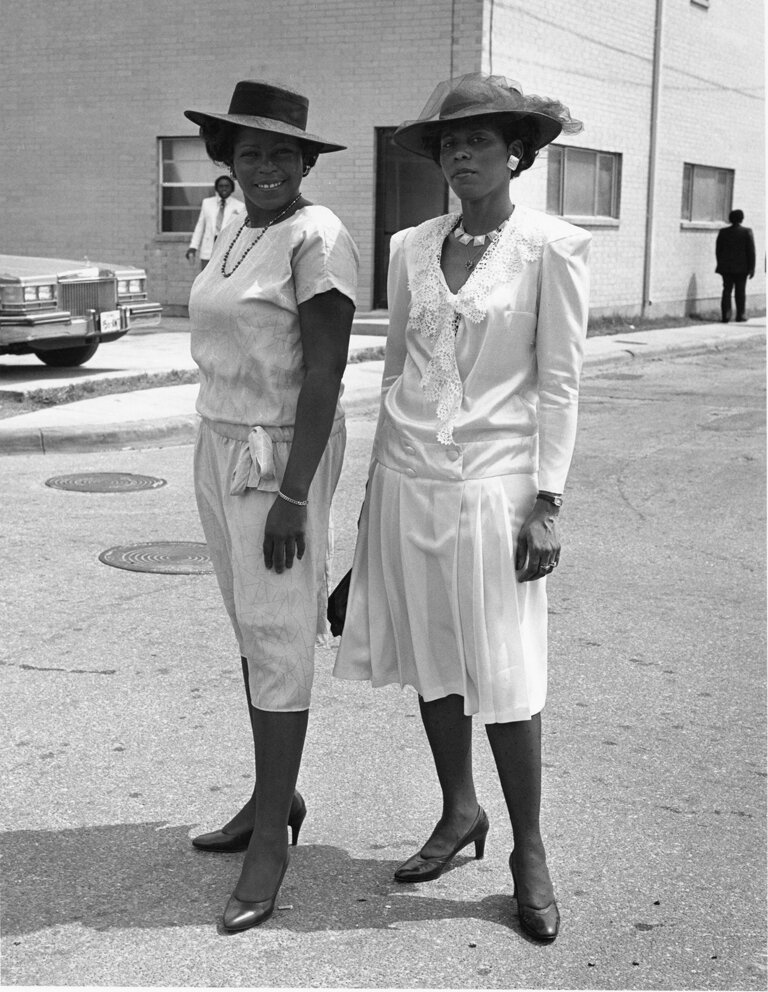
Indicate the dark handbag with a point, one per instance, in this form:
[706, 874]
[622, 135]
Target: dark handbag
[337, 605]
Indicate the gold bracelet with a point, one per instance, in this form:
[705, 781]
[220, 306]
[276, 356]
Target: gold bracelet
[296, 502]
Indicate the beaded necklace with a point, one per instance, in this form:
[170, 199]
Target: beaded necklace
[255, 241]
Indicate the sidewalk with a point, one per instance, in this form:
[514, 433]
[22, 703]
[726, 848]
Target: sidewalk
[166, 415]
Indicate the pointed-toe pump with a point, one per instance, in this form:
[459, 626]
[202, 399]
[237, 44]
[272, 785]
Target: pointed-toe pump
[421, 869]
[220, 841]
[541, 924]
[242, 914]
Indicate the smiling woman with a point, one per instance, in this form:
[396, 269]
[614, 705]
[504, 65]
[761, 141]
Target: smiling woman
[271, 316]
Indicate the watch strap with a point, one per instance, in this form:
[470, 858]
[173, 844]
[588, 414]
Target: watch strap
[554, 498]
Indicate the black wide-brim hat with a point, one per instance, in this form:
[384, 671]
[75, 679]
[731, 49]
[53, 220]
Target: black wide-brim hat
[478, 95]
[268, 108]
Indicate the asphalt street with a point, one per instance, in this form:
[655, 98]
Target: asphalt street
[127, 733]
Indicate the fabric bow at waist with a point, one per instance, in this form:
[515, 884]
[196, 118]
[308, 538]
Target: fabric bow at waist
[255, 467]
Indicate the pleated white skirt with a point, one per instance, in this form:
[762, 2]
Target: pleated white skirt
[434, 602]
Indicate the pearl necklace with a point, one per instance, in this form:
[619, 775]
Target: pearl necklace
[255, 241]
[477, 240]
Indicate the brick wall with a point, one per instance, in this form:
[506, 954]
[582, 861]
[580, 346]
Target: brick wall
[90, 85]
[598, 59]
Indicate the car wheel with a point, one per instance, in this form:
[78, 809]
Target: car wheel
[61, 357]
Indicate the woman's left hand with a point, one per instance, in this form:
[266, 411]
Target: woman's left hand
[284, 535]
[538, 544]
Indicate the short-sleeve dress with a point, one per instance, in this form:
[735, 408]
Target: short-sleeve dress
[479, 405]
[246, 340]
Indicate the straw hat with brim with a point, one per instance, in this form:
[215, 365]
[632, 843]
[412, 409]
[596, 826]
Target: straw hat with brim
[478, 95]
[267, 108]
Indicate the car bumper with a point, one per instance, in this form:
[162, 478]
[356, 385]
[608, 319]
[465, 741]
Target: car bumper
[143, 314]
[40, 327]
[51, 332]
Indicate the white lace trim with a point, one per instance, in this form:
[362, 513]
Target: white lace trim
[436, 311]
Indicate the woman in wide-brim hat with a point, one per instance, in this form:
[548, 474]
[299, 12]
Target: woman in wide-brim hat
[270, 317]
[488, 311]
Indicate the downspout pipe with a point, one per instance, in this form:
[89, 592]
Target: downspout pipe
[652, 155]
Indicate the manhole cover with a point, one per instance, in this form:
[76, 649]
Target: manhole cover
[104, 482]
[166, 557]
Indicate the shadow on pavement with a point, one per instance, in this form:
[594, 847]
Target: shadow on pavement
[148, 875]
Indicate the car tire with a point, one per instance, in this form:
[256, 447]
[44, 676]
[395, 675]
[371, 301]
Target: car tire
[62, 357]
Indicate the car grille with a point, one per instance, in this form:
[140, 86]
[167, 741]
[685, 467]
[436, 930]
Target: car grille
[77, 297]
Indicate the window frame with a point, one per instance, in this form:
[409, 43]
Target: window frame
[687, 196]
[217, 170]
[594, 219]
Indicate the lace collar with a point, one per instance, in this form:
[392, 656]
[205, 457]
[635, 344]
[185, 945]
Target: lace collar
[436, 312]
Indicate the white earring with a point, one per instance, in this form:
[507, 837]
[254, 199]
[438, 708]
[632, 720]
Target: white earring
[512, 162]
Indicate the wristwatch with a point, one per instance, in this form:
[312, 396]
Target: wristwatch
[552, 498]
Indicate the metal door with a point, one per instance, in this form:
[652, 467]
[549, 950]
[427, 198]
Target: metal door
[409, 189]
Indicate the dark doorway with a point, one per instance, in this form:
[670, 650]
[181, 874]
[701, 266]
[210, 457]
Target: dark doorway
[409, 189]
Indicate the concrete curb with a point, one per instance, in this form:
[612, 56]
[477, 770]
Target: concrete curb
[180, 428]
[622, 350]
[121, 381]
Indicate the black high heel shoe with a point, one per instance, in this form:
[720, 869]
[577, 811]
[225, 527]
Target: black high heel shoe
[541, 924]
[220, 841]
[242, 914]
[420, 869]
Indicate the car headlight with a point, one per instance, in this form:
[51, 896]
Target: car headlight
[45, 292]
[30, 294]
[12, 294]
[136, 286]
[122, 287]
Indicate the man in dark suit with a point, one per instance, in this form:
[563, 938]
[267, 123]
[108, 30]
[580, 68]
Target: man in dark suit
[735, 253]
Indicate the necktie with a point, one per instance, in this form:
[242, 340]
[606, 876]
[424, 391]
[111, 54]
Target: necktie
[219, 219]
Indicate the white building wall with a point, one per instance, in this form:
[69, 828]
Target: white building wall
[711, 113]
[598, 59]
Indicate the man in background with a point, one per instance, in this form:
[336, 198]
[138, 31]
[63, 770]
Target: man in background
[735, 253]
[215, 213]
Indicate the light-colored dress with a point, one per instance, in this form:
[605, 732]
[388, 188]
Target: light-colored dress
[246, 341]
[479, 406]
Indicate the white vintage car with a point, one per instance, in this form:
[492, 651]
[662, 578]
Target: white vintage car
[61, 310]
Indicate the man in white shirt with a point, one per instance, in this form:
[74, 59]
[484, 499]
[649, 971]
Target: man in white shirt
[215, 213]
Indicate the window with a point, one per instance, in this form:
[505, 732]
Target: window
[187, 176]
[707, 193]
[582, 183]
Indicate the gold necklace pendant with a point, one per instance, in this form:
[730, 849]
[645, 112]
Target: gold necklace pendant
[472, 262]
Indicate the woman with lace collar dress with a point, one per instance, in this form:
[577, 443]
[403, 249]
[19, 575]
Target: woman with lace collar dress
[488, 311]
